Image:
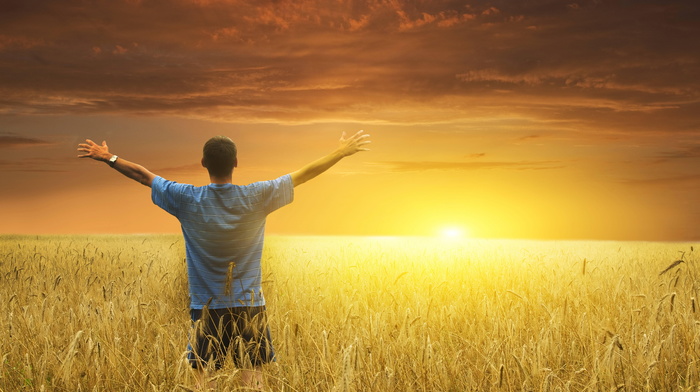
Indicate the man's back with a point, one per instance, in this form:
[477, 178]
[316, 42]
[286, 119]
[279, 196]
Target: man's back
[223, 226]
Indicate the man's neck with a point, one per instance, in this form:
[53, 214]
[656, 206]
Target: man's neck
[221, 180]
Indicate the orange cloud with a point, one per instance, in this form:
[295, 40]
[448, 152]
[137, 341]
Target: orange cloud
[316, 60]
[9, 140]
[410, 166]
[19, 42]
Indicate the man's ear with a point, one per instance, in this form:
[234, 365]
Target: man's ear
[235, 162]
[203, 163]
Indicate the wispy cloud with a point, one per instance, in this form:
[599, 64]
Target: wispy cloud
[685, 180]
[33, 165]
[529, 137]
[9, 140]
[687, 152]
[406, 166]
[184, 169]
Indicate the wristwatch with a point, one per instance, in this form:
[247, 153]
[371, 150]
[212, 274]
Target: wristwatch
[112, 160]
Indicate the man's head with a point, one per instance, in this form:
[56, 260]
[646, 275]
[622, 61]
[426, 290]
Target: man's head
[219, 156]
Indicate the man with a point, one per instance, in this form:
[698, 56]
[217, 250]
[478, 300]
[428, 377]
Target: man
[223, 226]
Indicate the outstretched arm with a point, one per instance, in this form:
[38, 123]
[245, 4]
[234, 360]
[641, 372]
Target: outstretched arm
[347, 147]
[129, 169]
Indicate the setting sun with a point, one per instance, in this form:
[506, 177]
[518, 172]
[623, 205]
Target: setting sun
[454, 232]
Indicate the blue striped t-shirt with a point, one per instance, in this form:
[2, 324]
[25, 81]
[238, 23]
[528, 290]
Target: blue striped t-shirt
[223, 226]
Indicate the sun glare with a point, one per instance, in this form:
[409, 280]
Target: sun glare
[454, 232]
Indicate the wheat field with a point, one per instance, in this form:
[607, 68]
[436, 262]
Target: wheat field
[110, 313]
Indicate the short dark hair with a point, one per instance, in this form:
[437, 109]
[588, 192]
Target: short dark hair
[219, 156]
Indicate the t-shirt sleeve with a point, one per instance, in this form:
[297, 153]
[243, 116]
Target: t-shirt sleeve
[277, 193]
[166, 194]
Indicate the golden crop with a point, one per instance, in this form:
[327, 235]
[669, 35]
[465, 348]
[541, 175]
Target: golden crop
[110, 313]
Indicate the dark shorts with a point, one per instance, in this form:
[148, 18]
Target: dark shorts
[243, 332]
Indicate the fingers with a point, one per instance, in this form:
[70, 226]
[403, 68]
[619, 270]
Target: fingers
[357, 134]
[361, 138]
[88, 148]
[354, 143]
[86, 152]
[358, 140]
[83, 148]
[91, 144]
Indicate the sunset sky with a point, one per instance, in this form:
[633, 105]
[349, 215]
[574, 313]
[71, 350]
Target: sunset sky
[534, 119]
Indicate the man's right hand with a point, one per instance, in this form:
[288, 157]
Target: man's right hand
[130, 169]
[94, 151]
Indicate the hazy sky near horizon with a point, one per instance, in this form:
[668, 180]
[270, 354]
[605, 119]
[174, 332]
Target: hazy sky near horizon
[540, 119]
